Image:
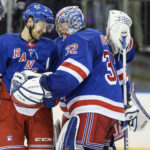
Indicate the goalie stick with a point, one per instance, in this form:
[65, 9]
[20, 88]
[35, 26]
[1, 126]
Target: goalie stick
[133, 94]
[124, 34]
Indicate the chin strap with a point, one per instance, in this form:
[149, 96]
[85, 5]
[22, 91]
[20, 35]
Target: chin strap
[30, 31]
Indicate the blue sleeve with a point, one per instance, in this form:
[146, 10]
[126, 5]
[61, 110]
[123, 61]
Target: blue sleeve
[76, 66]
[3, 56]
[128, 90]
[129, 56]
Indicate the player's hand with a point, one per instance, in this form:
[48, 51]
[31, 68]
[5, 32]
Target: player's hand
[50, 102]
[20, 77]
[29, 93]
[131, 112]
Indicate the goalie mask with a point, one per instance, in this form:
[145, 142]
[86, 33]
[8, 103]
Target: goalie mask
[74, 18]
[118, 23]
[40, 12]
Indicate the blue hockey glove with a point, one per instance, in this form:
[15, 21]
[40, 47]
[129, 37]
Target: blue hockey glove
[49, 102]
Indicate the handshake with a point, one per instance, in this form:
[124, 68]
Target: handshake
[26, 90]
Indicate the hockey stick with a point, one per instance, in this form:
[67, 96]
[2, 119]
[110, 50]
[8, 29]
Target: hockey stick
[124, 34]
[133, 94]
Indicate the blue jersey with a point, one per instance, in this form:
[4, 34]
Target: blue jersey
[17, 55]
[87, 76]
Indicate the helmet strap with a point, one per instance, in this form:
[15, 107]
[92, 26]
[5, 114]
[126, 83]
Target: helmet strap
[30, 28]
[30, 31]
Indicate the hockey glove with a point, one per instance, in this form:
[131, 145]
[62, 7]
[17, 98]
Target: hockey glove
[118, 22]
[49, 102]
[20, 78]
[29, 92]
[142, 118]
[26, 92]
[131, 112]
[17, 80]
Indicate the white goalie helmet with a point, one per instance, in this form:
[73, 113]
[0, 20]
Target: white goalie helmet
[118, 22]
[74, 18]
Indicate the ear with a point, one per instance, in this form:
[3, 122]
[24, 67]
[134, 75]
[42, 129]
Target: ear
[30, 21]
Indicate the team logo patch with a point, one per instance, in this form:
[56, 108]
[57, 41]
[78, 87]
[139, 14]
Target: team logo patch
[9, 138]
[37, 6]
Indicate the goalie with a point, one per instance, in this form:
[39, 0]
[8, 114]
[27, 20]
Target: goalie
[117, 131]
[117, 23]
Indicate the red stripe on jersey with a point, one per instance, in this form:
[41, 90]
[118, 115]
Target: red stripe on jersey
[64, 109]
[75, 68]
[130, 44]
[96, 102]
[121, 76]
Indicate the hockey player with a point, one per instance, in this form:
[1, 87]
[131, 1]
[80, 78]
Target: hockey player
[117, 130]
[26, 51]
[136, 115]
[87, 78]
[117, 22]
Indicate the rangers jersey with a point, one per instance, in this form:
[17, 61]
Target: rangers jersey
[17, 55]
[87, 76]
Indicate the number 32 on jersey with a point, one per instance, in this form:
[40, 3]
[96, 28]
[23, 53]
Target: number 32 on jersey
[110, 77]
[71, 49]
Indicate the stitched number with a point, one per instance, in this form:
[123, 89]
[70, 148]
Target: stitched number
[71, 49]
[110, 77]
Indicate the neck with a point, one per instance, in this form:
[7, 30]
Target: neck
[25, 35]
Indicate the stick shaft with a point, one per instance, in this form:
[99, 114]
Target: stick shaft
[125, 89]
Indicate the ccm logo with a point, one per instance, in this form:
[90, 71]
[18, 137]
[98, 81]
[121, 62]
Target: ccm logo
[43, 139]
